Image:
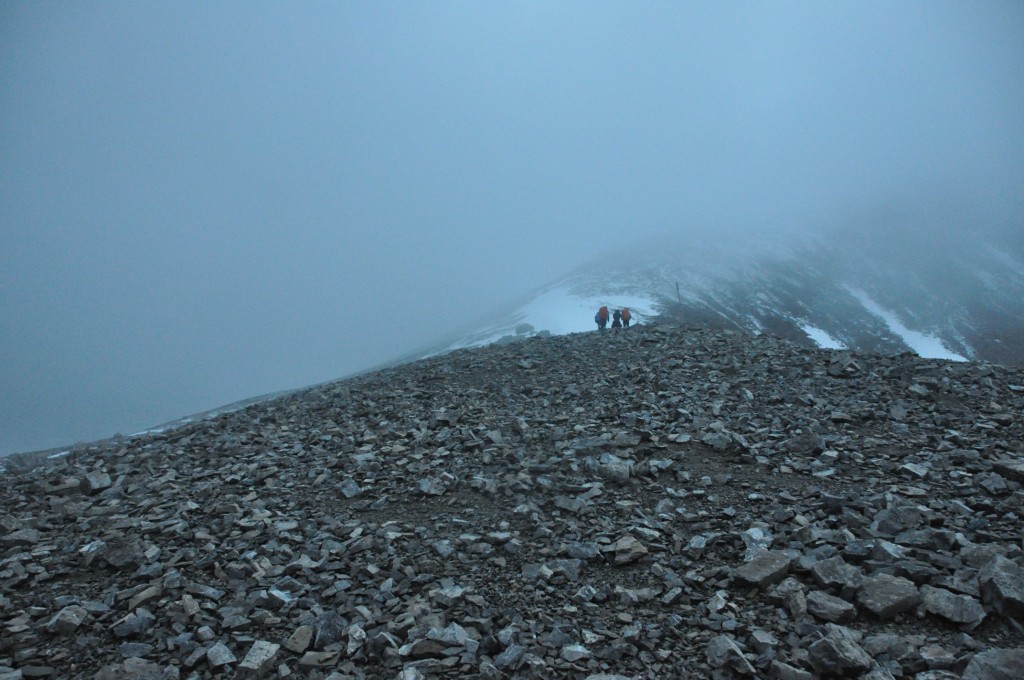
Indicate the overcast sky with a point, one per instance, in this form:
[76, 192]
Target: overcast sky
[202, 202]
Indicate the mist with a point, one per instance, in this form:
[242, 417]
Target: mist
[204, 202]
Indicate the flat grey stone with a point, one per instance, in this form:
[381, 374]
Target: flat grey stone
[422, 648]
[134, 624]
[791, 594]
[886, 596]
[783, 671]
[892, 521]
[625, 550]
[996, 664]
[573, 653]
[836, 573]
[617, 471]
[124, 553]
[356, 639]
[723, 652]
[453, 635]
[830, 608]
[977, 555]
[132, 669]
[144, 596]
[1002, 586]
[766, 569]
[96, 481]
[21, 537]
[838, 653]
[762, 640]
[449, 595]
[432, 487]
[259, 659]
[510, 657]
[411, 674]
[957, 608]
[329, 627]
[884, 674]
[67, 620]
[574, 504]
[319, 659]
[888, 552]
[349, 488]
[1010, 468]
[219, 655]
[300, 639]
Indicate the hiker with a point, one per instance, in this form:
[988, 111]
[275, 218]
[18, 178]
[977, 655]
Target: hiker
[626, 316]
[601, 318]
[617, 319]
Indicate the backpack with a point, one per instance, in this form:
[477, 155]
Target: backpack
[602, 314]
[626, 316]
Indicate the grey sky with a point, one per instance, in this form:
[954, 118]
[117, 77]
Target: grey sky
[203, 202]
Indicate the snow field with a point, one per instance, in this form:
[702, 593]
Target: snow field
[924, 344]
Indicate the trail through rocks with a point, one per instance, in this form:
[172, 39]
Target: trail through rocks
[648, 503]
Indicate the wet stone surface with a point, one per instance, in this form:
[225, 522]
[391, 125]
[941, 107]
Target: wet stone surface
[650, 503]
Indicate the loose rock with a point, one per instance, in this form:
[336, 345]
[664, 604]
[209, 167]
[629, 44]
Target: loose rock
[652, 503]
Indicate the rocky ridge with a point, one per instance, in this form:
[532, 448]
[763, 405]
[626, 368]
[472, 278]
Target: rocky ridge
[650, 503]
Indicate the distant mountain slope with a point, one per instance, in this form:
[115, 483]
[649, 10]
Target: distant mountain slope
[958, 299]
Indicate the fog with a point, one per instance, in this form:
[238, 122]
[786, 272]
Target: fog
[203, 202]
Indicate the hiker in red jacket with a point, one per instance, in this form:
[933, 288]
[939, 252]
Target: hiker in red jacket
[601, 318]
[626, 316]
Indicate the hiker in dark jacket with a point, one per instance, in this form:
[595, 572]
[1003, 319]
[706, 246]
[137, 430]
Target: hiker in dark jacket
[617, 319]
[601, 318]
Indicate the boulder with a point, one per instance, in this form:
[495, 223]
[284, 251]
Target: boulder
[952, 606]
[996, 664]
[766, 569]
[1001, 582]
[723, 652]
[830, 608]
[886, 596]
[838, 653]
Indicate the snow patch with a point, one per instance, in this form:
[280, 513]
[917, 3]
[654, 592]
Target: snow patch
[155, 430]
[927, 346]
[559, 311]
[821, 337]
